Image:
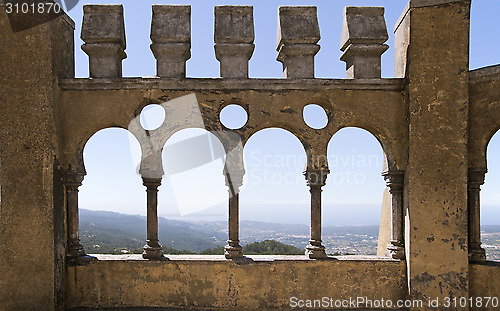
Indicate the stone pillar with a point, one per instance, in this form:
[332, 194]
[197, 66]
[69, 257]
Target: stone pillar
[234, 180]
[475, 180]
[395, 182]
[298, 33]
[74, 250]
[316, 179]
[152, 249]
[234, 35]
[103, 32]
[171, 37]
[363, 35]
[432, 52]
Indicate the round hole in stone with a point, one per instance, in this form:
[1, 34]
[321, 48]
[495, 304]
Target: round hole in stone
[233, 116]
[315, 116]
[152, 117]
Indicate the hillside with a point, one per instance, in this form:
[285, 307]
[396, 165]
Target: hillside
[108, 232]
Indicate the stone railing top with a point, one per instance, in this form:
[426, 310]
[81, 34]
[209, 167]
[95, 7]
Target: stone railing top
[193, 84]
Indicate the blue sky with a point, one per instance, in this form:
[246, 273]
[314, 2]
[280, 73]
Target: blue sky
[274, 188]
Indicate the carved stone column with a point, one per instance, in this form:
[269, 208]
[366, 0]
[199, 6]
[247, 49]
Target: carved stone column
[152, 249]
[316, 179]
[475, 180]
[74, 250]
[395, 181]
[234, 180]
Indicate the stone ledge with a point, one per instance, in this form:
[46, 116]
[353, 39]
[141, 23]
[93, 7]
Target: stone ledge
[246, 259]
[392, 84]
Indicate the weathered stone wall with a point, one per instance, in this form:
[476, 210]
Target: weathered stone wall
[484, 282]
[215, 283]
[32, 229]
[437, 69]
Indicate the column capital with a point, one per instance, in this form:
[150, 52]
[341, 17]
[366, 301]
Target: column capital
[316, 178]
[151, 182]
[73, 179]
[475, 176]
[234, 178]
[394, 179]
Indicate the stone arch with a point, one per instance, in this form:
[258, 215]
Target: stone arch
[389, 157]
[87, 137]
[284, 127]
[111, 154]
[278, 174]
[352, 172]
[488, 137]
[184, 153]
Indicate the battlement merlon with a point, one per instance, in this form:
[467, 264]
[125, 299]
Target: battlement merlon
[233, 37]
[297, 38]
[103, 32]
[171, 39]
[362, 41]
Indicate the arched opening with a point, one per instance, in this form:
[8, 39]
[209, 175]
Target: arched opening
[193, 197]
[274, 199]
[112, 198]
[490, 202]
[352, 197]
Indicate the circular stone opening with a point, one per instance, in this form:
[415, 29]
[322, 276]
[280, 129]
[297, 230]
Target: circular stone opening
[233, 117]
[152, 117]
[315, 116]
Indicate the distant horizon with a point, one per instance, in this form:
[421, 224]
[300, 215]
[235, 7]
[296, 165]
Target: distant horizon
[215, 217]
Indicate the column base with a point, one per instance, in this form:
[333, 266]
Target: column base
[81, 261]
[233, 250]
[395, 251]
[477, 255]
[153, 252]
[76, 256]
[315, 250]
[75, 251]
